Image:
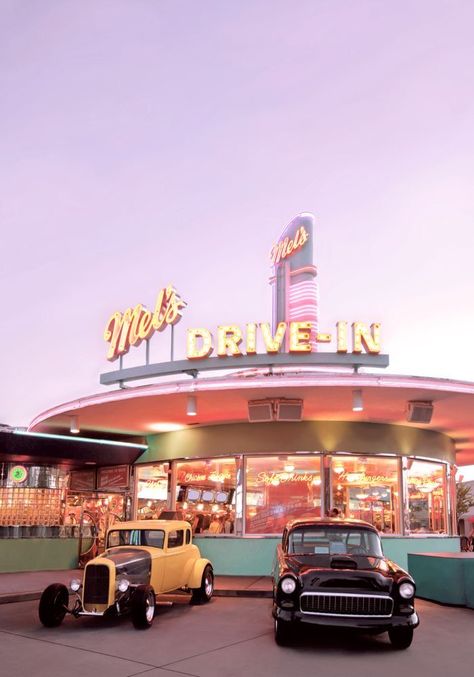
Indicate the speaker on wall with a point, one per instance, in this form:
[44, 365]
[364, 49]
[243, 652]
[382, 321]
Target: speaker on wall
[288, 410]
[260, 411]
[419, 411]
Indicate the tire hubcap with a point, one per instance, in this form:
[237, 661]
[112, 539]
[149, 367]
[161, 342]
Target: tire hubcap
[150, 609]
[208, 586]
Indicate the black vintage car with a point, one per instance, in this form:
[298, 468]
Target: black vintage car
[332, 572]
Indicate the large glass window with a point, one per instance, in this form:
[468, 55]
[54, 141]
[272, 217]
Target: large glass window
[152, 490]
[281, 488]
[205, 493]
[426, 483]
[366, 488]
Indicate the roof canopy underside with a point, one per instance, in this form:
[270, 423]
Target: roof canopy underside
[326, 397]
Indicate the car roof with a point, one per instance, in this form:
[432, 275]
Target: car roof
[330, 521]
[164, 525]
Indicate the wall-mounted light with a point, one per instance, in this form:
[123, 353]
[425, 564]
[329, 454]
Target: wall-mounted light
[74, 426]
[191, 406]
[357, 403]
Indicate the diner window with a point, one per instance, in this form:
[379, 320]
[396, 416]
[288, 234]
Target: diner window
[281, 488]
[205, 494]
[367, 488]
[426, 489]
[152, 492]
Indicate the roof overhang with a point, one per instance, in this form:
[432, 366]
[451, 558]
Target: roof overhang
[139, 411]
[72, 452]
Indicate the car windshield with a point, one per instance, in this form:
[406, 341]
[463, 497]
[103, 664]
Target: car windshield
[152, 537]
[331, 540]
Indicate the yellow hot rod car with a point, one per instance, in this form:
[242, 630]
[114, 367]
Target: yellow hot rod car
[141, 560]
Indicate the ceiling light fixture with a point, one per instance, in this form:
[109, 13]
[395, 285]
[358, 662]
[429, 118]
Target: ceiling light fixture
[74, 427]
[357, 403]
[191, 406]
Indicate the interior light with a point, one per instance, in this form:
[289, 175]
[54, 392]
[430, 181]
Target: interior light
[165, 427]
[289, 467]
[357, 403]
[74, 427]
[338, 469]
[191, 406]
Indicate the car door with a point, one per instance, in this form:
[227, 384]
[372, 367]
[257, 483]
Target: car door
[176, 556]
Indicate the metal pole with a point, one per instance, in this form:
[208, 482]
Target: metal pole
[172, 342]
[147, 351]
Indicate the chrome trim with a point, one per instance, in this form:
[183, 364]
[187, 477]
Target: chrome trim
[91, 613]
[343, 594]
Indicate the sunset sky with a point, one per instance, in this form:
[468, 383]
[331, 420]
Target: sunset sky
[151, 142]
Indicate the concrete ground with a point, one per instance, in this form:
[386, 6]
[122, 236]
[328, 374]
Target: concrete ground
[28, 585]
[228, 637]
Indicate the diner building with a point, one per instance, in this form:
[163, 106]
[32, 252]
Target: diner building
[269, 429]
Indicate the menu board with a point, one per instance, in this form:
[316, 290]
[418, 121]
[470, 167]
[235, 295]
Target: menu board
[82, 480]
[113, 477]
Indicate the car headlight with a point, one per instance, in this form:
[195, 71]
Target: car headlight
[288, 585]
[75, 584]
[122, 584]
[406, 590]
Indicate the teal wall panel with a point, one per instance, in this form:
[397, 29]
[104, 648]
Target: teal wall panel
[397, 548]
[37, 554]
[445, 577]
[233, 556]
[239, 556]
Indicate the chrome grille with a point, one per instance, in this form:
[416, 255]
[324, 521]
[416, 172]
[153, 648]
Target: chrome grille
[96, 584]
[342, 604]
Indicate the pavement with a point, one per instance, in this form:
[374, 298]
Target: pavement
[229, 637]
[28, 585]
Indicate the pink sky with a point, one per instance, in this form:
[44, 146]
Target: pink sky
[149, 142]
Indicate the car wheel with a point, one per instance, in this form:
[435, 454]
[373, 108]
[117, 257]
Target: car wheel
[283, 632]
[401, 638]
[53, 605]
[143, 607]
[204, 592]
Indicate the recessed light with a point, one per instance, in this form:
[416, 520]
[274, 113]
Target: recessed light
[164, 427]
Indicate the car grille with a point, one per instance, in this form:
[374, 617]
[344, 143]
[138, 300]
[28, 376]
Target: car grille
[96, 584]
[341, 604]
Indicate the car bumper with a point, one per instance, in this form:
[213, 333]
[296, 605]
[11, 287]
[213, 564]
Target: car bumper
[355, 622]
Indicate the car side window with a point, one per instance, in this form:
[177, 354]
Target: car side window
[153, 537]
[188, 536]
[175, 538]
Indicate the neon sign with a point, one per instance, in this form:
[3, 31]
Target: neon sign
[276, 478]
[137, 324]
[232, 341]
[284, 248]
[213, 476]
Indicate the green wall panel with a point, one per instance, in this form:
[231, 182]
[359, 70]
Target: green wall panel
[397, 549]
[38, 554]
[330, 436]
[444, 577]
[239, 556]
[234, 556]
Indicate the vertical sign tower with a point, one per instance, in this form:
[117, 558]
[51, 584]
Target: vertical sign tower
[294, 285]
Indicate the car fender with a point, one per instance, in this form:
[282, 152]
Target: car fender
[195, 577]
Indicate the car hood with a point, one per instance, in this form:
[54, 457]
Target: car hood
[355, 572]
[135, 563]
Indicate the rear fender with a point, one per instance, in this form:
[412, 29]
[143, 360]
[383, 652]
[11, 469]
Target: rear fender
[197, 571]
